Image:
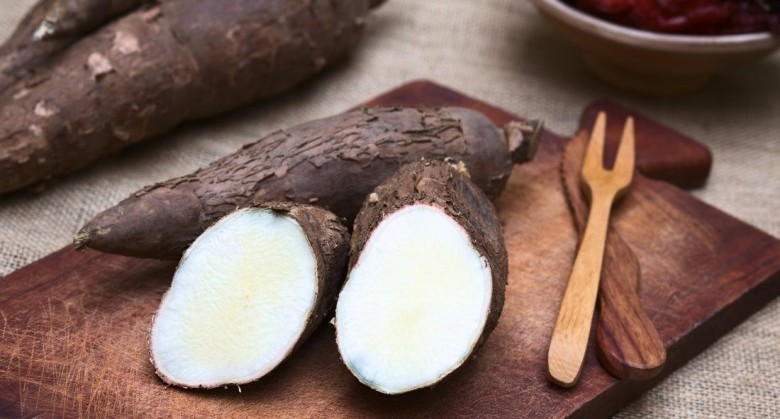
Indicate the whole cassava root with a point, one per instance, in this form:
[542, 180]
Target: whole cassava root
[247, 293]
[334, 162]
[159, 66]
[428, 273]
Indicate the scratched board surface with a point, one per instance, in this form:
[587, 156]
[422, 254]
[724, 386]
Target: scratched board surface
[75, 326]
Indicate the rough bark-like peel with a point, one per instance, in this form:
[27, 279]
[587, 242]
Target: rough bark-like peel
[157, 67]
[49, 28]
[334, 162]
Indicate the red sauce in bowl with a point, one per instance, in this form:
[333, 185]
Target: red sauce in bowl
[692, 17]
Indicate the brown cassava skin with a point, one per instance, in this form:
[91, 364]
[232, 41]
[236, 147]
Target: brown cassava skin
[446, 187]
[48, 28]
[329, 240]
[66, 18]
[154, 68]
[334, 162]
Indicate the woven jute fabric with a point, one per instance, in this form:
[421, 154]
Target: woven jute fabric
[500, 51]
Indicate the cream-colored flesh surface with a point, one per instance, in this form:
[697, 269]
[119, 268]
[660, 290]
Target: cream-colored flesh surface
[239, 301]
[415, 303]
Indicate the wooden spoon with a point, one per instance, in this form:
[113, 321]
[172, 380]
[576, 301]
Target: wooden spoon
[572, 328]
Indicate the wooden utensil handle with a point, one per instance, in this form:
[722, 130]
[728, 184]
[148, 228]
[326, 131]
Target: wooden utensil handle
[575, 316]
[629, 345]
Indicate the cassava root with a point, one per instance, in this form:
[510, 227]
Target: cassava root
[152, 69]
[247, 293]
[334, 162]
[428, 272]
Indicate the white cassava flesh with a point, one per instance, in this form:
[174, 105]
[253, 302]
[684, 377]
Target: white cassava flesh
[239, 302]
[415, 303]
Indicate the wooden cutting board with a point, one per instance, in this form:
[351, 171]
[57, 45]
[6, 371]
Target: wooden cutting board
[73, 326]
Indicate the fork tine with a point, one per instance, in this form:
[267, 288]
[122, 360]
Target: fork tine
[594, 157]
[624, 161]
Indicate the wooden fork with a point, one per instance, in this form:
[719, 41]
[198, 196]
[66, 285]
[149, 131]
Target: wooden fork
[572, 328]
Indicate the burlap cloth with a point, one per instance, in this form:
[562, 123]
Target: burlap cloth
[502, 52]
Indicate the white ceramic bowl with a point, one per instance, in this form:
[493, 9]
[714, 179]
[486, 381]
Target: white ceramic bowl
[651, 62]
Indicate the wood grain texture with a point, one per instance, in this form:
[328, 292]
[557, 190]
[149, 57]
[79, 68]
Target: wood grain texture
[74, 326]
[627, 342]
[575, 316]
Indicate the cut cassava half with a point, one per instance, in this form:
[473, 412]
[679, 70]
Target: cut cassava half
[247, 293]
[428, 272]
[334, 162]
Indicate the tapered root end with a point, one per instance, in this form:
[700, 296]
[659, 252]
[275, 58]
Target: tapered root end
[157, 224]
[82, 239]
[523, 139]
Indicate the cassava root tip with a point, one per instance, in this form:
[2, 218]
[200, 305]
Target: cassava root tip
[81, 240]
[523, 139]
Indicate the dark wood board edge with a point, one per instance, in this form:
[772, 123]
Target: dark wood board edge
[695, 342]
[764, 280]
